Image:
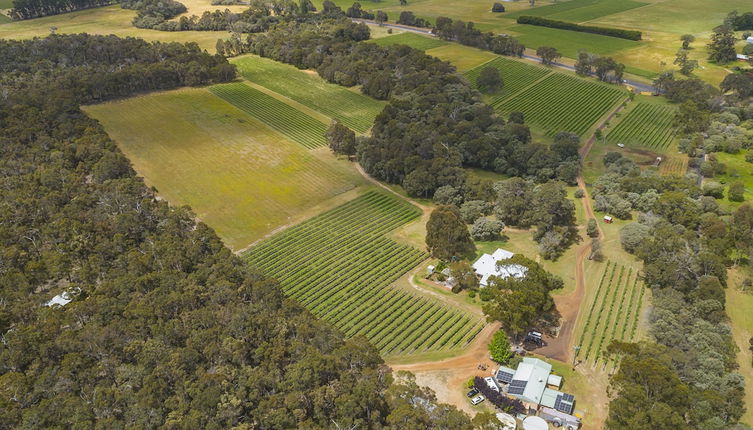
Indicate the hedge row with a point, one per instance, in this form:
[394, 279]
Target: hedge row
[604, 31]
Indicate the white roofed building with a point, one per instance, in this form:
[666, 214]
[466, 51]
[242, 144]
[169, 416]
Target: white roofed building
[486, 266]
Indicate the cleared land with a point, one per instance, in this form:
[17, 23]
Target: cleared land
[564, 103]
[647, 124]
[613, 312]
[352, 108]
[580, 10]
[411, 39]
[463, 57]
[738, 170]
[239, 176]
[339, 265]
[298, 126]
[516, 75]
[569, 42]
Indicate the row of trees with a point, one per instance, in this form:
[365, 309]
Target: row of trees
[564, 25]
[606, 69]
[467, 34]
[168, 328]
[27, 9]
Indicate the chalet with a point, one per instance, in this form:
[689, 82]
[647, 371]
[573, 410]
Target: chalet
[489, 265]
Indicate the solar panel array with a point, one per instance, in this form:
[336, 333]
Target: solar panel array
[564, 403]
[517, 387]
[504, 377]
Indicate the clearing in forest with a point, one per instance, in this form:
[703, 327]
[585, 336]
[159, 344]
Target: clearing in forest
[238, 175]
[613, 313]
[515, 75]
[348, 106]
[647, 124]
[340, 265]
[562, 102]
[411, 39]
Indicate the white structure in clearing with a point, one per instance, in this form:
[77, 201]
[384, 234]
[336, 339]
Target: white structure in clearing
[487, 266]
[749, 39]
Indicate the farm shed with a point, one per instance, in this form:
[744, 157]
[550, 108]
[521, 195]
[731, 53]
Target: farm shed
[608, 219]
[530, 383]
[486, 266]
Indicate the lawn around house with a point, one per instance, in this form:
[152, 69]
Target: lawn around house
[238, 175]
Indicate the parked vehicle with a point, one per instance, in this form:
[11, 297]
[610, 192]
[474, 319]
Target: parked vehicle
[478, 399]
[472, 393]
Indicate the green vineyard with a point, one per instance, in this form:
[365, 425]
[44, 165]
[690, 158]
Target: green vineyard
[647, 125]
[340, 265]
[516, 75]
[413, 40]
[564, 103]
[350, 107]
[298, 126]
[613, 312]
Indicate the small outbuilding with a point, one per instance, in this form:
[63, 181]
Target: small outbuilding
[608, 219]
[749, 39]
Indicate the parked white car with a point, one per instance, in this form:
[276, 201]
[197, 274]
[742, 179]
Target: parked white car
[478, 399]
[492, 383]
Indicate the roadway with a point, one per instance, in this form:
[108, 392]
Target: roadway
[427, 32]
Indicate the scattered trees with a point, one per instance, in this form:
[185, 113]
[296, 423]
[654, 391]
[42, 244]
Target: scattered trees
[342, 140]
[722, 46]
[465, 276]
[486, 230]
[736, 192]
[592, 229]
[447, 236]
[548, 54]
[687, 39]
[686, 65]
[498, 7]
[489, 80]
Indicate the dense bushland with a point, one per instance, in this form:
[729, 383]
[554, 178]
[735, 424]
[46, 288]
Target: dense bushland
[27, 9]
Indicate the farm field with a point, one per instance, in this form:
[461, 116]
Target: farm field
[516, 75]
[579, 10]
[238, 175]
[737, 170]
[646, 124]
[298, 126]
[340, 265]
[106, 20]
[411, 39]
[464, 58]
[612, 312]
[562, 102]
[569, 42]
[352, 108]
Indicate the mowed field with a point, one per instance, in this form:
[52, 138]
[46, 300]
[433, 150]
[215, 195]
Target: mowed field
[349, 106]
[413, 40]
[579, 10]
[241, 177]
[340, 265]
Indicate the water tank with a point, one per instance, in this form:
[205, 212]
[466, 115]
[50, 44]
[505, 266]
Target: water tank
[535, 423]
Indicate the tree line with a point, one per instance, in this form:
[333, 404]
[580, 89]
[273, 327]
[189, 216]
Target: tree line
[167, 328]
[27, 9]
[564, 25]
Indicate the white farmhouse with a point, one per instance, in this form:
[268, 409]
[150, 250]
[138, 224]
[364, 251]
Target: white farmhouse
[487, 266]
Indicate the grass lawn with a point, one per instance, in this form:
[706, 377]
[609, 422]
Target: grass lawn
[569, 42]
[239, 176]
[740, 310]
[354, 109]
[463, 57]
[411, 39]
[580, 10]
[6, 4]
[737, 170]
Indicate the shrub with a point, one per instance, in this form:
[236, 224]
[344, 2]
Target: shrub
[498, 7]
[499, 347]
[632, 235]
[604, 31]
[736, 192]
[513, 406]
[579, 194]
[592, 229]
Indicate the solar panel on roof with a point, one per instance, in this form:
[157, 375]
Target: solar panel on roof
[517, 387]
[564, 405]
[568, 398]
[504, 377]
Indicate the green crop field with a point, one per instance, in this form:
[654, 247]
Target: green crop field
[613, 312]
[239, 176]
[411, 39]
[284, 118]
[516, 75]
[339, 265]
[569, 42]
[648, 124]
[352, 108]
[6, 4]
[464, 58]
[562, 102]
[580, 10]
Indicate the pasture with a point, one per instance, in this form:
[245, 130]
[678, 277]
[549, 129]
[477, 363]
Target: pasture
[516, 75]
[340, 265]
[645, 124]
[737, 170]
[563, 102]
[348, 106]
[291, 122]
[613, 312]
[238, 175]
[567, 42]
[411, 39]
[464, 58]
[579, 10]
